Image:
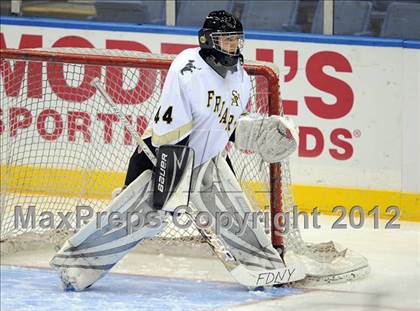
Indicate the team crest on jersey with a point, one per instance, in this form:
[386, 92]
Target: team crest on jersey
[189, 67]
[235, 98]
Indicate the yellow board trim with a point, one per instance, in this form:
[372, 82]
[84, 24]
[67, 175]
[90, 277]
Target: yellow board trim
[98, 184]
[326, 198]
[90, 184]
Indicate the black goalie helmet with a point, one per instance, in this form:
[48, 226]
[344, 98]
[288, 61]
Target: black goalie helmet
[221, 41]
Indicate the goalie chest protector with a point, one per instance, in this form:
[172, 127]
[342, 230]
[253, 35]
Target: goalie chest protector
[198, 102]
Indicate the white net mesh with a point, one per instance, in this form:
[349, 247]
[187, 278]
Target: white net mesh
[66, 148]
[63, 147]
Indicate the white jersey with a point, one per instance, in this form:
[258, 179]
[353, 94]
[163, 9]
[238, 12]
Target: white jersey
[198, 102]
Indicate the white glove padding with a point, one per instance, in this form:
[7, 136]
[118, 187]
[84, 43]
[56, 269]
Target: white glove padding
[274, 137]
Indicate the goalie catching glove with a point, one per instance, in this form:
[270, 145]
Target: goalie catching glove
[273, 137]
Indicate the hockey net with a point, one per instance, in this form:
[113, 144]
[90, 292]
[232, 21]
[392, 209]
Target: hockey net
[63, 147]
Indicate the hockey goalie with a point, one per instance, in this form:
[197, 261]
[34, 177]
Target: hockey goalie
[202, 108]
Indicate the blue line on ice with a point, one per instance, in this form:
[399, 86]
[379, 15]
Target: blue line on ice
[40, 289]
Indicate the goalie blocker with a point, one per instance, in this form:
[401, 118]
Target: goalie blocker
[172, 177]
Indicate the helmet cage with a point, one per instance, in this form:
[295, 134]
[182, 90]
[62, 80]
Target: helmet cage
[229, 43]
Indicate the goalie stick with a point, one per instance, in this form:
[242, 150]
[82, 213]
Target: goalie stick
[242, 274]
[98, 84]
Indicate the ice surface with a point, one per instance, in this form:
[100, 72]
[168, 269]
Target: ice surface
[30, 288]
[160, 282]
